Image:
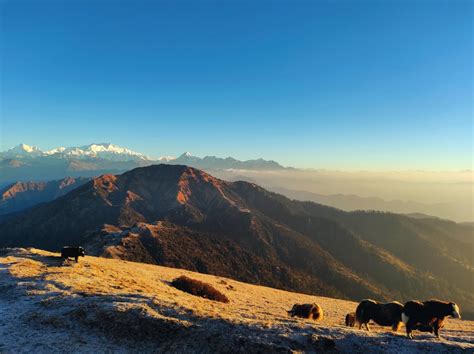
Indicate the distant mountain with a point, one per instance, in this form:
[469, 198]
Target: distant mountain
[351, 202]
[23, 195]
[26, 163]
[421, 216]
[184, 217]
[212, 162]
[102, 151]
[21, 151]
[93, 151]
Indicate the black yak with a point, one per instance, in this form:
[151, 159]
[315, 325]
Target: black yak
[72, 252]
[423, 315]
[388, 314]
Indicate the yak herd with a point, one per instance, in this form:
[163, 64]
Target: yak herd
[425, 316]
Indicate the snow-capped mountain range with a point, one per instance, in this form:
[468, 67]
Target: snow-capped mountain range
[25, 162]
[111, 152]
[105, 151]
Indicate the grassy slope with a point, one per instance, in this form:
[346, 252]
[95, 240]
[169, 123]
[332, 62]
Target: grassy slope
[103, 304]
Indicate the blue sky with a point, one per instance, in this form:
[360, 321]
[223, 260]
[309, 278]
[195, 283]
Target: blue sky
[324, 84]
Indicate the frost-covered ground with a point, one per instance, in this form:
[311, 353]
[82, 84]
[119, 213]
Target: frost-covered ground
[103, 305]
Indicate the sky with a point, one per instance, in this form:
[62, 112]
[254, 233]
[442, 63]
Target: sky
[314, 84]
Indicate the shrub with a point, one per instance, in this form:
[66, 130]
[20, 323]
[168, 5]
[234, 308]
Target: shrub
[198, 288]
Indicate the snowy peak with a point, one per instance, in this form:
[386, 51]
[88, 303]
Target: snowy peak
[103, 150]
[108, 147]
[186, 155]
[55, 151]
[103, 154]
[27, 148]
[22, 150]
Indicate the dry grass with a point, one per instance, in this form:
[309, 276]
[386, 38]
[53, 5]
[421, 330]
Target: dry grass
[99, 276]
[134, 301]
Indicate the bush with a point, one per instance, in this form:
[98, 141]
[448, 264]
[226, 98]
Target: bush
[198, 288]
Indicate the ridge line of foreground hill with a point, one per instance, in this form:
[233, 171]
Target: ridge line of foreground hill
[103, 304]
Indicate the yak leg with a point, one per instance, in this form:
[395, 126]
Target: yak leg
[439, 323]
[409, 326]
[436, 328]
[367, 326]
[77, 259]
[396, 326]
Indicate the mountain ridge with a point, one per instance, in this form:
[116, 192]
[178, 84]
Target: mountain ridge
[26, 163]
[23, 195]
[109, 151]
[352, 202]
[310, 247]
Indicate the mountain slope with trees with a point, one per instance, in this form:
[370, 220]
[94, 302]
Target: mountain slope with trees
[180, 216]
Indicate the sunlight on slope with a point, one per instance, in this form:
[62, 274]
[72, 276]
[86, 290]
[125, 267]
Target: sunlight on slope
[127, 301]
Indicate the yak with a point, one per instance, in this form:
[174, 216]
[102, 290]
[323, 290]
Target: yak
[350, 319]
[384, 314]
[72, 252]
[428, 315]
[311, 311]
